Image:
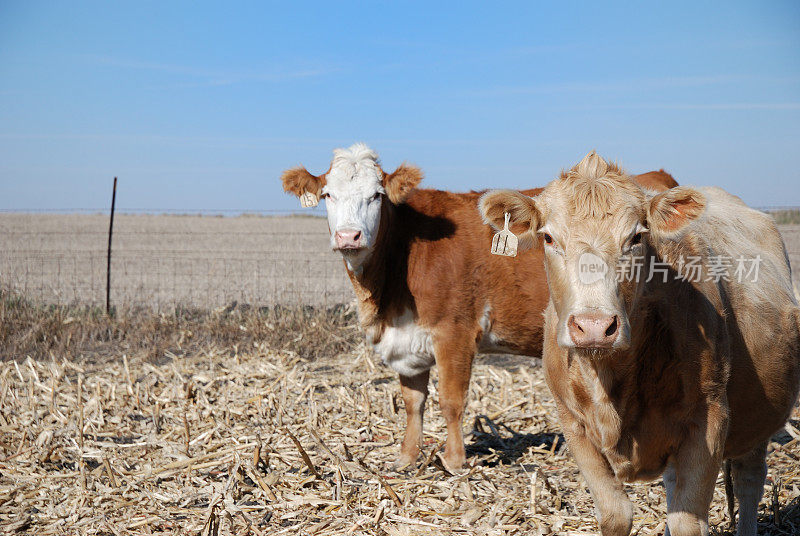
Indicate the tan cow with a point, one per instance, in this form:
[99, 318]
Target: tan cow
[428, 289]
[654, 367]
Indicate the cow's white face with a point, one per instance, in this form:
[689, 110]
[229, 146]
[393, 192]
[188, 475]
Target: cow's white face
[356, 192]
[595, 224]
[353, 199]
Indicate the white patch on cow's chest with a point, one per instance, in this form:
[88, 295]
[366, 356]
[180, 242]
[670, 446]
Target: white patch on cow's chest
[406, 347]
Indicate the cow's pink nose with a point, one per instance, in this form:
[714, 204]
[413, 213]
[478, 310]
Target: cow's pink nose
[593, 330]
[348, 239]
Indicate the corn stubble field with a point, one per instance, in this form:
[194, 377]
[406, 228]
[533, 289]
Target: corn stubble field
[262, 418]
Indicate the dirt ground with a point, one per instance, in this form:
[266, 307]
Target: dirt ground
[251, 441]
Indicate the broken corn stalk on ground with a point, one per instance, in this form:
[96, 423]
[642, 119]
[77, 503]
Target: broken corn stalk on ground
[260, 442]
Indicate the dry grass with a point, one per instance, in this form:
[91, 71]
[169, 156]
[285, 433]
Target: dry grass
[786, 216]
[30, 329]
[256, 441]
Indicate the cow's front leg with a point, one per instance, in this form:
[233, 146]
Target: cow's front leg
[692, 473]
[415, 392]
[614, 509]
[454, 360]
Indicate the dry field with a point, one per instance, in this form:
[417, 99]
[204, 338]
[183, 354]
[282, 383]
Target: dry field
[166, 260]
[791, 236]
[262, 420]
[255, 441]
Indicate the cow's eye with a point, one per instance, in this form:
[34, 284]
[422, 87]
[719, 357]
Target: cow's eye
[548, 239]
[376, 196]
[637, 239]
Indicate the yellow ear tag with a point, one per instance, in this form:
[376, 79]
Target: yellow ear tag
[308, 200]
[505, 242]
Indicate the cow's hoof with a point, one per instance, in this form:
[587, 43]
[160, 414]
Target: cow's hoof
[403, 463]
[454, 464]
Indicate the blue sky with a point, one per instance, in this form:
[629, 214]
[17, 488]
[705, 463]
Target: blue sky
[201, 105]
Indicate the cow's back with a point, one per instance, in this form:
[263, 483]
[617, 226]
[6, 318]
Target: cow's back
[656, 180]
[454, 278]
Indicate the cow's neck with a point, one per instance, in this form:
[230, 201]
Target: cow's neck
[608, 380]
[370, 281]
[606, 374]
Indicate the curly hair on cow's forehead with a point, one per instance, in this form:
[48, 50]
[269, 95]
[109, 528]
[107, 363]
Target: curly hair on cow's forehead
[596, 188]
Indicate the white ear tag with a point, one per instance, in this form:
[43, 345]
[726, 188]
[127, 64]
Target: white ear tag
[505, 242]
[308, 200]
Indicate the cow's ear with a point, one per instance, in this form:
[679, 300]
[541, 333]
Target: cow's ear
[298, 181]
[524, 216]
[669, 213]
[400, 183]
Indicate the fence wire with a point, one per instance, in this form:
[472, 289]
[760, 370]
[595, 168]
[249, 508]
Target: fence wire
[164, 261]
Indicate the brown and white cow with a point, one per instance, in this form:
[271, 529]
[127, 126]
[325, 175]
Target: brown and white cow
[656, 180]
[659, 369]
[428, 289]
